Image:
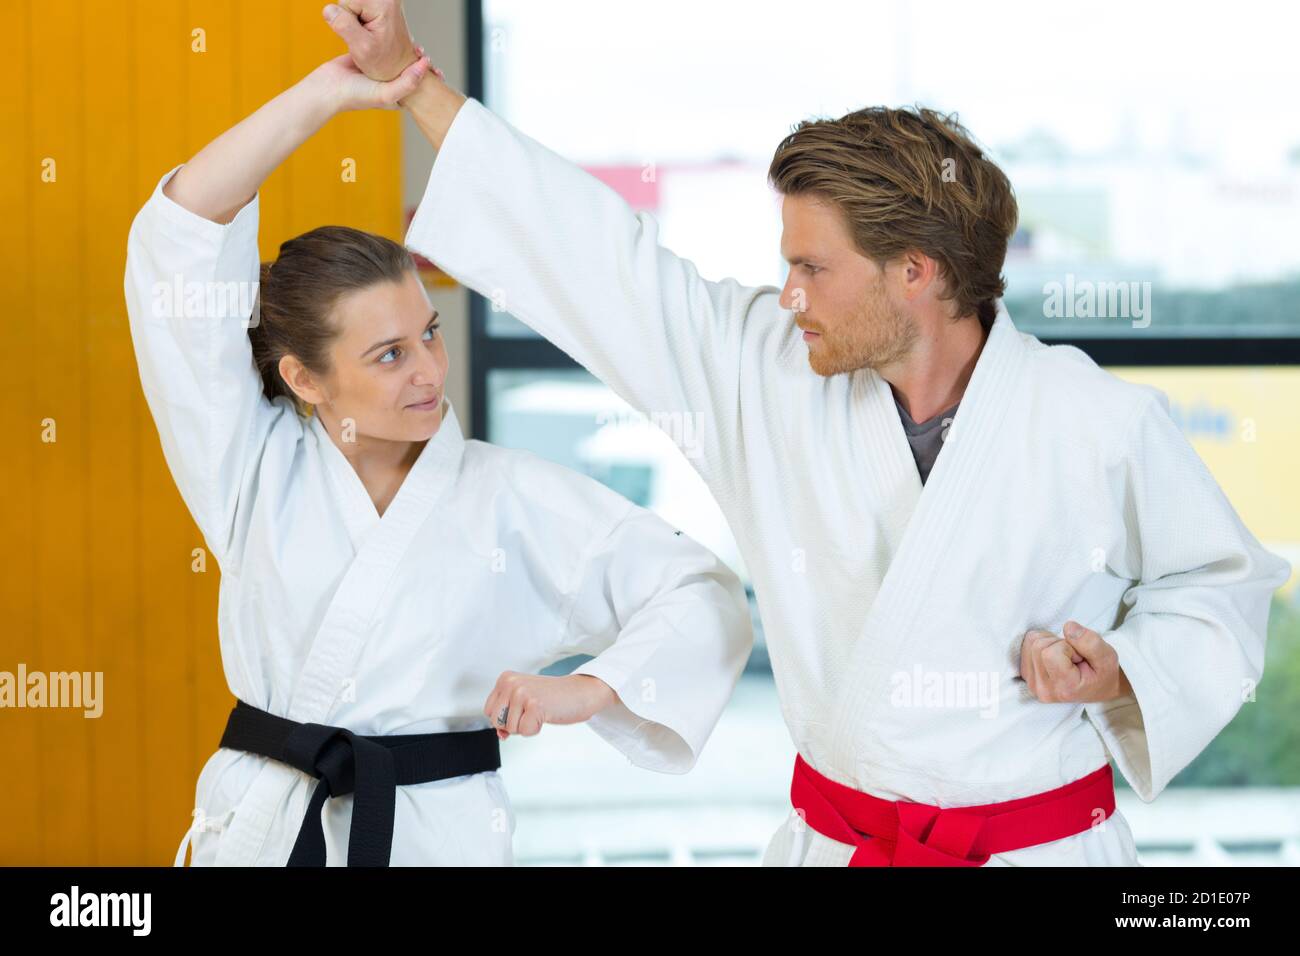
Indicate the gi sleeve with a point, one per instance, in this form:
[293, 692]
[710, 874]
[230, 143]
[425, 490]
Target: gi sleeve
[670, 629]
[544, 240]
[190, 289]
[1192, 640]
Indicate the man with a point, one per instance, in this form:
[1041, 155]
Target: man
[962, 621]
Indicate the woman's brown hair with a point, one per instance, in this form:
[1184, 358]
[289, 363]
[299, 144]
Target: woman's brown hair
[909, 179]
[297, 292]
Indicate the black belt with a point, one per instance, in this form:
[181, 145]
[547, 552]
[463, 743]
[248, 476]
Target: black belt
[370, 767]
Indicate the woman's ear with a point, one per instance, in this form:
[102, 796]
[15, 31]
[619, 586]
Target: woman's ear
[300, 381]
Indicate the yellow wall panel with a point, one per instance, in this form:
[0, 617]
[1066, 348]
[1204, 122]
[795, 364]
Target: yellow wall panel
[57, 322]
[101, 544]
[20, 420]
[113, 435]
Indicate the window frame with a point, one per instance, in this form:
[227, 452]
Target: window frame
[487, 353]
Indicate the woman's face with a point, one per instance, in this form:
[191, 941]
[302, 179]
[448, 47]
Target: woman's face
[388, 363]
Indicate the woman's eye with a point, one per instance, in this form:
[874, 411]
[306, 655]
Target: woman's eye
[396, 349]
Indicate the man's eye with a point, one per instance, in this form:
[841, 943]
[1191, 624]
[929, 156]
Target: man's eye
[812, 270]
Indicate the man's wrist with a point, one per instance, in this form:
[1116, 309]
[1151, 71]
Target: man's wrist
[409, 56]
[433, 106]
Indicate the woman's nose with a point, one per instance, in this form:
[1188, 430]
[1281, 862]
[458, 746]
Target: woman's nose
[428, 371]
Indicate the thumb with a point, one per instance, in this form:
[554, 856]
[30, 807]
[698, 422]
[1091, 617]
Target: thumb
[344, 23]
[1058, 659]
[1082, 641]
[396, 90]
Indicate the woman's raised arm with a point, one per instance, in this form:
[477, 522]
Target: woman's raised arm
[192, 275]
[226, 173]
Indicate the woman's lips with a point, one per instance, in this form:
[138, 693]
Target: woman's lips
[428, 406]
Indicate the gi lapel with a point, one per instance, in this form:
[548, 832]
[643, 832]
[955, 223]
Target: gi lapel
[890, 474]
[348, 620]
[955, 478]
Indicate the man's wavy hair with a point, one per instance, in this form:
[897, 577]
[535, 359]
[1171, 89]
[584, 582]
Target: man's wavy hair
[905, 179]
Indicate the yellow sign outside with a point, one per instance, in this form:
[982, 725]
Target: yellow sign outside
[1243, 423]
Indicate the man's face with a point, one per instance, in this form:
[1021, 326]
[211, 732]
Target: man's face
[839, 294]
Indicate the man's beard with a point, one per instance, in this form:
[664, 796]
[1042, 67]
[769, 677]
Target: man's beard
[876, 337]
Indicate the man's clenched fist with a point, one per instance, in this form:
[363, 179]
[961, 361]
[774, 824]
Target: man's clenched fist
[376, 34]
[1079, 667]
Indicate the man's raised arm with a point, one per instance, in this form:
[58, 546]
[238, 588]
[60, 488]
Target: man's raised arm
[547, 242]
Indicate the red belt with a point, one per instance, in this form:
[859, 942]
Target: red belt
[902, 833]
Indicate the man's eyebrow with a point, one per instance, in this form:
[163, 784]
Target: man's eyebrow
[433, 317]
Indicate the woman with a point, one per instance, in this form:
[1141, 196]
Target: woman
[389, 590]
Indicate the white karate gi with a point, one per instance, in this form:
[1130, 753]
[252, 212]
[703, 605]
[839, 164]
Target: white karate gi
[488, 559]
[1062, 492]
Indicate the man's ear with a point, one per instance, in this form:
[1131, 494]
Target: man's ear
[915, 272]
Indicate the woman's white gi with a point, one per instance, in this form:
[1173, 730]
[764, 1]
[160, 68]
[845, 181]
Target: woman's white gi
[488, 559]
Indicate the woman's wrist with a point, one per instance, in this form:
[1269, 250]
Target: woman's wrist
[600, 694]
[318, 99]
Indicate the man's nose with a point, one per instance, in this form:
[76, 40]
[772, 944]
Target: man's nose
[793, 297]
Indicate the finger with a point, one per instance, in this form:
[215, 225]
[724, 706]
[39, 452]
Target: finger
[498, 710]
[1086, 642]
[343, 22]
[1026, 668]
[496, 700]
[1066, 678]
[394, 91]
[367, 12]
[519, 701]
[1070, 650]
[420, 51]
[1042, 679]
[531, 720]
[1030, 645]
[1026, 645]
[1056, 660]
